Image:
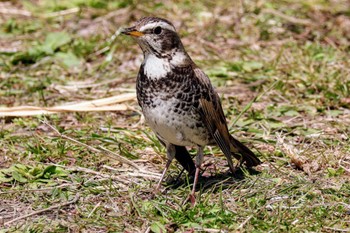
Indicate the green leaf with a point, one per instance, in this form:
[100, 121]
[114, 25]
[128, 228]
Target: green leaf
[4, 178]
[19, 167]
[54, 40]
[68, 59]
[276, 124]
[48, 171]
[24, 174]
[252, 65]
[37, 171]
[60, 172]
[157, 227]
[220, 72]
[335, 113]
[18, 176]
[335, 172]
[147, 207]
[235, 67]
[291, 113]
[192, 225]
[27, 57]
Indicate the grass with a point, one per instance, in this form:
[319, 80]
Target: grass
[282, 70]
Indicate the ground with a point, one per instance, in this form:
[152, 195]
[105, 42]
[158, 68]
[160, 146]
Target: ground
[282, 69]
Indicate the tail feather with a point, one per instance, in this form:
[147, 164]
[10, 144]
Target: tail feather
[245, 154]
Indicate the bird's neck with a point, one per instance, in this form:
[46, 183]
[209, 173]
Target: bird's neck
[156, 67]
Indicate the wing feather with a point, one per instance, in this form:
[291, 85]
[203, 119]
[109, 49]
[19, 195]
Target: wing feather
[214, 118]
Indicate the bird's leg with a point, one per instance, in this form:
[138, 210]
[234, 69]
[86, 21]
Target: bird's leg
[170, 152]
[199, 160]
[230, 164]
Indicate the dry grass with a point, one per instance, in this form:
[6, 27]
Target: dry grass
[282, 65]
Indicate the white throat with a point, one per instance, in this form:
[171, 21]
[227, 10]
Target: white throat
[156, 68]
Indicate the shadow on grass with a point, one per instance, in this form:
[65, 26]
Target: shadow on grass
[212, 181]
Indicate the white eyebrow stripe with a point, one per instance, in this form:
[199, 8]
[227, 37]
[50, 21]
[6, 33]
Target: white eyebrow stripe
[155, 24]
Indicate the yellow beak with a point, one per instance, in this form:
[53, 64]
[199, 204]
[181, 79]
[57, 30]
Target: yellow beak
[132, 32]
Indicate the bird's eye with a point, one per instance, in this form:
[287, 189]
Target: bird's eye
[157, 30]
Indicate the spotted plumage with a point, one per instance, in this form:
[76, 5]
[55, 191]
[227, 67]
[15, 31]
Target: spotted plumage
[177, 99]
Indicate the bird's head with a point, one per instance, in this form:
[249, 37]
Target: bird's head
[155, 36]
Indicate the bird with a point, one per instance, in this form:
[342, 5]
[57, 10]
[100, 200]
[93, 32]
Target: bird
[179, 102]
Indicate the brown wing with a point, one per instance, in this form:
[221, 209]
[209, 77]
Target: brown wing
[214, 118]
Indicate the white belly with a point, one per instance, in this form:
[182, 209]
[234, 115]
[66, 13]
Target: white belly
[176, 128]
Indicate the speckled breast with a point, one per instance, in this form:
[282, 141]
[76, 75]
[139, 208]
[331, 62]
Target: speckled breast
[170, 107]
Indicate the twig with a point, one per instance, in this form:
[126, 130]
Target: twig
[86, 170]
[113, 14]
[93, 210]
[108, 154]
[143, 175]
[347, 170]
[73, 86]
[244, 222]
[37, 190]
[337, 229]
[137, 210]
[62, 13]
[110, 42]
[148, 230]
[76, 198]
[340, 164]
[140, 173]
[238, 43]
[33, 110]
[288, 18]
[119, 158]
[210, 230]
[104, 104]
[15, 12]
[70, 139]
[248, 106]
[113, 205]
